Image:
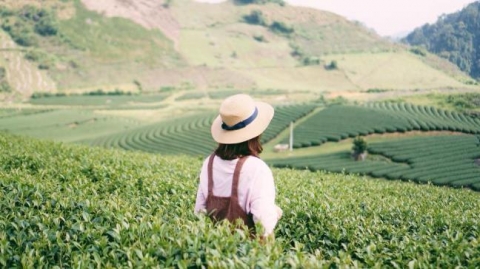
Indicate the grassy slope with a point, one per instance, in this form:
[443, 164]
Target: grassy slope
[92, 50]
[216, 50]
[212, 38]
[397, 70]
[23, 76]
[75, 205]
[67, 125]
[111, 50]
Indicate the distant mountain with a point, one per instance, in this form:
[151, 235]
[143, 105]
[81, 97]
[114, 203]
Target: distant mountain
[153, 45]
[455, 37]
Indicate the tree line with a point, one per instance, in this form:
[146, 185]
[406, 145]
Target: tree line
[455, 37]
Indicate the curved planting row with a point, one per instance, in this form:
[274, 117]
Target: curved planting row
[12, 112]
[339, 122]
[183, 136]
[430, 118]
[191, 135]
[191, 96]
[100, 100]
[443, 160]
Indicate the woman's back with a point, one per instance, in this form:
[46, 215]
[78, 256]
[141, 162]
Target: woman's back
[237, 130]
[256, 189]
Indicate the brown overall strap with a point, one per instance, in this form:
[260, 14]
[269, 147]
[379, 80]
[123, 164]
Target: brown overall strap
[236, 176]
[210, 175]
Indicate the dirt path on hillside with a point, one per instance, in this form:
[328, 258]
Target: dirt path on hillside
[150, 14]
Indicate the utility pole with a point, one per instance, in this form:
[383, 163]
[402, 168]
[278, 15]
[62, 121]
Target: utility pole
[291, 136]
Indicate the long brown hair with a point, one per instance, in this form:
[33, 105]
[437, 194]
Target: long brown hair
[251, 147]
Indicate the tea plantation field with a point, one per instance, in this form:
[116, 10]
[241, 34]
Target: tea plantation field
[75, 206]
[339, 122]
[68, 125]
[443, 148]
[441, 160]
[445, 158]
[104, 101]
[191, 135]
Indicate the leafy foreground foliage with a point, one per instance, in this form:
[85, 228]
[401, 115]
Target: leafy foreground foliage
[74, 206]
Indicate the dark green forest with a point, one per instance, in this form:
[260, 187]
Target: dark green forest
[455, 37]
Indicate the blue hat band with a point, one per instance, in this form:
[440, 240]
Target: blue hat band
[241, 124]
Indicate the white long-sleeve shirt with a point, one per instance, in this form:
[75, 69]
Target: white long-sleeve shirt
[256, 189]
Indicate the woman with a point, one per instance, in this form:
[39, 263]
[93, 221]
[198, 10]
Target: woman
[234, 182]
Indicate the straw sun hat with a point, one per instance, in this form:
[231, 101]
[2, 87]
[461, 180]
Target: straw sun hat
[241, 119]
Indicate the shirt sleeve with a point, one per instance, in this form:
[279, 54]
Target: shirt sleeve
[262, 200]
[201, 201]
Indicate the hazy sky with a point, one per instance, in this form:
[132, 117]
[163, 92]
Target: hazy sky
[387, 17]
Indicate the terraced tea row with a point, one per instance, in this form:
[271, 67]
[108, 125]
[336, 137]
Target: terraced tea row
[443, 160]
[13, 112]
[120, 101]
[62, 125]
[335, 123]
[191, 135]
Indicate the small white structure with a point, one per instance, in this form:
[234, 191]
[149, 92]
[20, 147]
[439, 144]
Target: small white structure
[285, 147]
[281, 147]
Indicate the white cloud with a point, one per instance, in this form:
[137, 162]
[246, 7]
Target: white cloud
[387, 17]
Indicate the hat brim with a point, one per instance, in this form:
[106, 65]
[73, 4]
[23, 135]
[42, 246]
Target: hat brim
[254, 129]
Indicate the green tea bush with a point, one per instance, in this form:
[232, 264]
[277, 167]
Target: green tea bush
[70, 206]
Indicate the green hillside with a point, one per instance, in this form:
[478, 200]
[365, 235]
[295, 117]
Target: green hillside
[74, 206]
[84, 48]
[185, 45]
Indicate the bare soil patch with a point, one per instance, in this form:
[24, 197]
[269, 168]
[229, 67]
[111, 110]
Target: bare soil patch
[150, 14]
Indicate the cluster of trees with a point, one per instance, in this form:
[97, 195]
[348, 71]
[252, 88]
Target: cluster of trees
[359, 149]
[28, 23]
[455, 37]
[44, 60]
[256, 17]
[4, 86]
